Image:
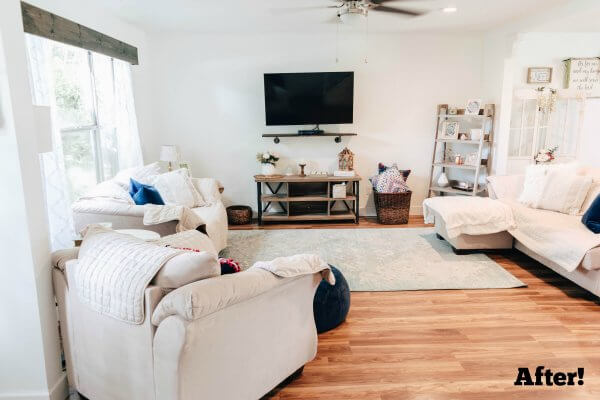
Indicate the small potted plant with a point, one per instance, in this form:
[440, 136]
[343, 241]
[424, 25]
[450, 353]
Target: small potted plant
[268, 160]
[546, 156]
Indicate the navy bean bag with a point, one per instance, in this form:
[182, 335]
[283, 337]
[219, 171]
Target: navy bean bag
[331, 303]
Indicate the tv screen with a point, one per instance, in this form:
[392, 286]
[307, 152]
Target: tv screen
[309, 98]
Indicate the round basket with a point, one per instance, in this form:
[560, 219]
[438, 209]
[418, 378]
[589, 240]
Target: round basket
[239, 215]
[392, 208]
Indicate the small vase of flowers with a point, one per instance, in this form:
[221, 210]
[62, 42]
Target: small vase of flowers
[545, 156]
[268, 160]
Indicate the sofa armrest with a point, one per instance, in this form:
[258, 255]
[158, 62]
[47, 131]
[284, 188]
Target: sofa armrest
[208, 188]
[60, 257]
[199, 299]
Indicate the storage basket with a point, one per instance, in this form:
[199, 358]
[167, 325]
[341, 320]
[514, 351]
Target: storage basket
[239, 215]
[392, 208]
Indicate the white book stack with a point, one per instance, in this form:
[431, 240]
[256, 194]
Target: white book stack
[344, 174]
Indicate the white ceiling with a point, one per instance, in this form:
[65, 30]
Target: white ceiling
[308, 16]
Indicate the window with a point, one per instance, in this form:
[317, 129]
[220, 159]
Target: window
[532, 130]
[84, 89]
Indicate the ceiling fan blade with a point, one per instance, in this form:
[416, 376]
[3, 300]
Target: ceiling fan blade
[398, 11]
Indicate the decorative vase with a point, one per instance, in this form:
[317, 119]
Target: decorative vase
[268, 169]
[442, 180]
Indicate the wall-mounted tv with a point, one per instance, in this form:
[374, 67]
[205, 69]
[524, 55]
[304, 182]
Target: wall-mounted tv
[309, 98]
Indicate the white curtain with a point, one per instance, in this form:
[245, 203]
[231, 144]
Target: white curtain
[60, 218]
[118, 128]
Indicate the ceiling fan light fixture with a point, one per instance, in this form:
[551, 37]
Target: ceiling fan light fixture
[449, 10]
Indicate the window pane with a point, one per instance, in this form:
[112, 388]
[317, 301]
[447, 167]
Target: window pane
[80, 161]
[72, 86]
[110, 152]
[105, 91]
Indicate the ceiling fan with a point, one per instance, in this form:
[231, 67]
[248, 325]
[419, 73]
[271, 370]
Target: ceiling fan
[362, 7]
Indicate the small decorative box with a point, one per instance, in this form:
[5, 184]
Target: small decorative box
[339, 191]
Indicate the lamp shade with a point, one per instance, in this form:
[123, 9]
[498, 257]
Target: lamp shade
[169, 153]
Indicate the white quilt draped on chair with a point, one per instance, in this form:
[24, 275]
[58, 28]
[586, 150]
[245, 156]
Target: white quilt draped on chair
[120, 115]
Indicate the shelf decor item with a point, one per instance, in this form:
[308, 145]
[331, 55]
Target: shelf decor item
[450, 129]
[473, 107]
[268, 160]
[239, 215]
[546, 156]
[442, 180]
[583, 75]
[346, 160]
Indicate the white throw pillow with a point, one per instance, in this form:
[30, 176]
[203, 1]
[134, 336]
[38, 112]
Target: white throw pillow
[145, 174]
[108, 190]
[535, 179]
[564, 192]
[187, 267]
[176, 188]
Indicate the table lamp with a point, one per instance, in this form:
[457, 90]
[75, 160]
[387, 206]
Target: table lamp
[170, 154]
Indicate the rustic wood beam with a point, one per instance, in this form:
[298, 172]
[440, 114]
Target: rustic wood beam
[45, 24]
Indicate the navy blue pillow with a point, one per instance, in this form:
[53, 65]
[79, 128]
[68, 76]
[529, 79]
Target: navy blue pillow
[591, 218]
[144, 194]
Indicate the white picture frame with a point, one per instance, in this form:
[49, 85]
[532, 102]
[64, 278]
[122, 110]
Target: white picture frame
[537, 75]
[473, 106]
[450, 130]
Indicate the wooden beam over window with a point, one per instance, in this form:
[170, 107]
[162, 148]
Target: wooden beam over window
[45, 24]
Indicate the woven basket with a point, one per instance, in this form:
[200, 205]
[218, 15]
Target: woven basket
[239, 215]
[392, 208]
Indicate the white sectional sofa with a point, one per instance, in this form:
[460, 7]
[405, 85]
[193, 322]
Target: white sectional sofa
[554, 239]
[130, 216]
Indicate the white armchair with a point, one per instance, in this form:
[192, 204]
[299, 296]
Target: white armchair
[230, 337]
[127, 216]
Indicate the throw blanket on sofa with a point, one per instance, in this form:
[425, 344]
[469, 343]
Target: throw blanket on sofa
[188, 219]
[114, 270]
[469, 215]
[560, 238]
[300, 264]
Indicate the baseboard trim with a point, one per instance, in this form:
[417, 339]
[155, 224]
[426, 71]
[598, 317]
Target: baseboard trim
[58, 391]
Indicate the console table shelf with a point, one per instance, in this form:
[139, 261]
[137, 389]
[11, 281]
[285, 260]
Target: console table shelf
[306, 198]
[276, 136]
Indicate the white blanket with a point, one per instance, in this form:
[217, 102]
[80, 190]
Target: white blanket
[114, 270]
[560, 238]
[188, 220]
[469, 215]
[300, 264]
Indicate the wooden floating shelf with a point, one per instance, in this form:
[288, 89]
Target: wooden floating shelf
[291, 199]
[335, 215]
[337, 136]
[460, 166]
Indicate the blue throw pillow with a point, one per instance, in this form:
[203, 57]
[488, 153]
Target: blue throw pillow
[144, 194]
[591, 218]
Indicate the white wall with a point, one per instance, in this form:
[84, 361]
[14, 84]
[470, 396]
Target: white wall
[208, 99]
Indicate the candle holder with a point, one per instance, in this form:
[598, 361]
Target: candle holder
[302, 174]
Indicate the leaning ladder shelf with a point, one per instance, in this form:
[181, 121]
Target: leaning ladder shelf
[486, 119]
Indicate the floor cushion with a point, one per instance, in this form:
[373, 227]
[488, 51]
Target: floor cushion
[331, 303]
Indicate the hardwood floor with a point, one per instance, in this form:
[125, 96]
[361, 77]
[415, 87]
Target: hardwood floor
[457, 344]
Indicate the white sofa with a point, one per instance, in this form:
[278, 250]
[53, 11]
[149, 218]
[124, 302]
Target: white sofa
[534, 227]
[229, 337]
[127, 216]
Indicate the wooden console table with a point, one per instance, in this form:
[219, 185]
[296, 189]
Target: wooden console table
[306, 198]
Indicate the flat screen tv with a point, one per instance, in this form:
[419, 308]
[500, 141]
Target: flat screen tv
[309, 98]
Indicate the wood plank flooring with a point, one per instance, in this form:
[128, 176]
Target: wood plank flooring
[456, 344]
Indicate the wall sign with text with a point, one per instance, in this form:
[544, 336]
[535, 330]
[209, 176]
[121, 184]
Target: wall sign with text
[583, 74]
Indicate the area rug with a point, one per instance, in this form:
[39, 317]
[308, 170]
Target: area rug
[386, 259]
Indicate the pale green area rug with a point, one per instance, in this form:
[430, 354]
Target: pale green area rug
[386, 259]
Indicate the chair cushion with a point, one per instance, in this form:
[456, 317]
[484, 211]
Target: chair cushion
[188, 267]
[176, 188]
[144, 194]
[591, 218]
